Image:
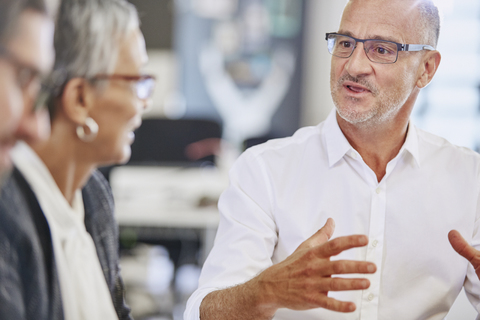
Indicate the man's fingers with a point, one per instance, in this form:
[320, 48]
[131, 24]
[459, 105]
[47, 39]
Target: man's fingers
[341, 244]
[328, 229]
[321, 236]
[342, 284]
[336, 305]
[347, 267]
[463, 248]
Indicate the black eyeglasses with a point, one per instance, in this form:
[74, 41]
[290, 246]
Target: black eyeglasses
[26, 76]
[379, 51]
[144, 84]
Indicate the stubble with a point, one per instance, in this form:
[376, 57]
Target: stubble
[387, 102]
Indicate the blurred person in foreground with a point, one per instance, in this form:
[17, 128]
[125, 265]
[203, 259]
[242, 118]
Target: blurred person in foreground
[59, 239]
[26, 56]
[394, 192]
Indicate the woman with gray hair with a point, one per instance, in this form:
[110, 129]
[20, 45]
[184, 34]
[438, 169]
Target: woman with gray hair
[99, 96]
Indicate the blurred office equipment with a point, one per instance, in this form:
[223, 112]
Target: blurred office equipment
[166, 195]
[157, 22]
[182, 142]
[240, 63]
[172, 206]
[166, 184]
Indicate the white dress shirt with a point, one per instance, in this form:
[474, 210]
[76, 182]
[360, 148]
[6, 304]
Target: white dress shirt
[283, 191]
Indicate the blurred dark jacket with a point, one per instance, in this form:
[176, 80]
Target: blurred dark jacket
[29, 284]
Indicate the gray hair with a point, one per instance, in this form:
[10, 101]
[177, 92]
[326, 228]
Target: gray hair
[429, 23]
[87, 39]
[10, 11]
[88, 35]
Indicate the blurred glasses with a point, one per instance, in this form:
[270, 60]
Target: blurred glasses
[27, 77]
[379, 51]
[143, 84]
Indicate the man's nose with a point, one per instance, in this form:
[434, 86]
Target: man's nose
[358, 63]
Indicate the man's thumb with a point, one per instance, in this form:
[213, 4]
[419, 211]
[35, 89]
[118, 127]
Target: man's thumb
[321, 236]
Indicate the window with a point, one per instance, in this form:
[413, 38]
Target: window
[450, 105]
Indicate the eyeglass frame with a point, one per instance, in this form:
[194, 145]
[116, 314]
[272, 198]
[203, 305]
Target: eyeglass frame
[400, 46]
[33, 73]
[132, 78]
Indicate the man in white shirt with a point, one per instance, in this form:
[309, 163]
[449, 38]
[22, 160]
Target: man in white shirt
[26, 53]
[394, 192]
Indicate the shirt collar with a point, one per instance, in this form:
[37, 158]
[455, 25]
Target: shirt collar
[338, 146]
[411, 143]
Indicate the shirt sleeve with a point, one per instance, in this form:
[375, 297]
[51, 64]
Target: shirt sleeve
[246, 235]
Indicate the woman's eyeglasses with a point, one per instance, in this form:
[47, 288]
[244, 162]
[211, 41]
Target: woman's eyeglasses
[144, 84]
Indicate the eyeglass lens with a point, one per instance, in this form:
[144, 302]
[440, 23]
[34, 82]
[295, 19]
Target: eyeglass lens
[26, 76]
[28, 80]
[377, 50]
[145, 88]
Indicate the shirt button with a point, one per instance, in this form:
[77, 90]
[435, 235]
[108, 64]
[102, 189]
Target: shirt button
[370, 297]
[378, 190]
[374, 243]
[354, 155]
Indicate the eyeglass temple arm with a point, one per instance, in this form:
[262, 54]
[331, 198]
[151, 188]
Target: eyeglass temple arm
[416, 47]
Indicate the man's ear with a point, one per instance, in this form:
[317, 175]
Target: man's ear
[77, 100]
[428, 68]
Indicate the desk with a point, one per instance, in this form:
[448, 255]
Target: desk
[173, 200]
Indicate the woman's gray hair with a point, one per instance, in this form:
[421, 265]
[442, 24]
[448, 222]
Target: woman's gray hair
[88, 35]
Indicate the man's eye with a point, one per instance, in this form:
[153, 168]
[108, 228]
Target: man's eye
[346, 44]
[383, 49]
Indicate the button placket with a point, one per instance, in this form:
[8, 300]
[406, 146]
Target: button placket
[374, 253]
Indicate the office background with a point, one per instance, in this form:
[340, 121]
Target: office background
[270, 60]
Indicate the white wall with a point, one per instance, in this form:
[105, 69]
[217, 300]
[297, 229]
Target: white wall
[322, 16]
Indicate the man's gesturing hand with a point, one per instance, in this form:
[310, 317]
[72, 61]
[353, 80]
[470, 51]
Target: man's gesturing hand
[465, 250]
[303, 280]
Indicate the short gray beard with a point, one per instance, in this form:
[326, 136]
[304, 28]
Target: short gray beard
[386, 109]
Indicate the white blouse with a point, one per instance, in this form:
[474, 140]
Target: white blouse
[84, 291]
